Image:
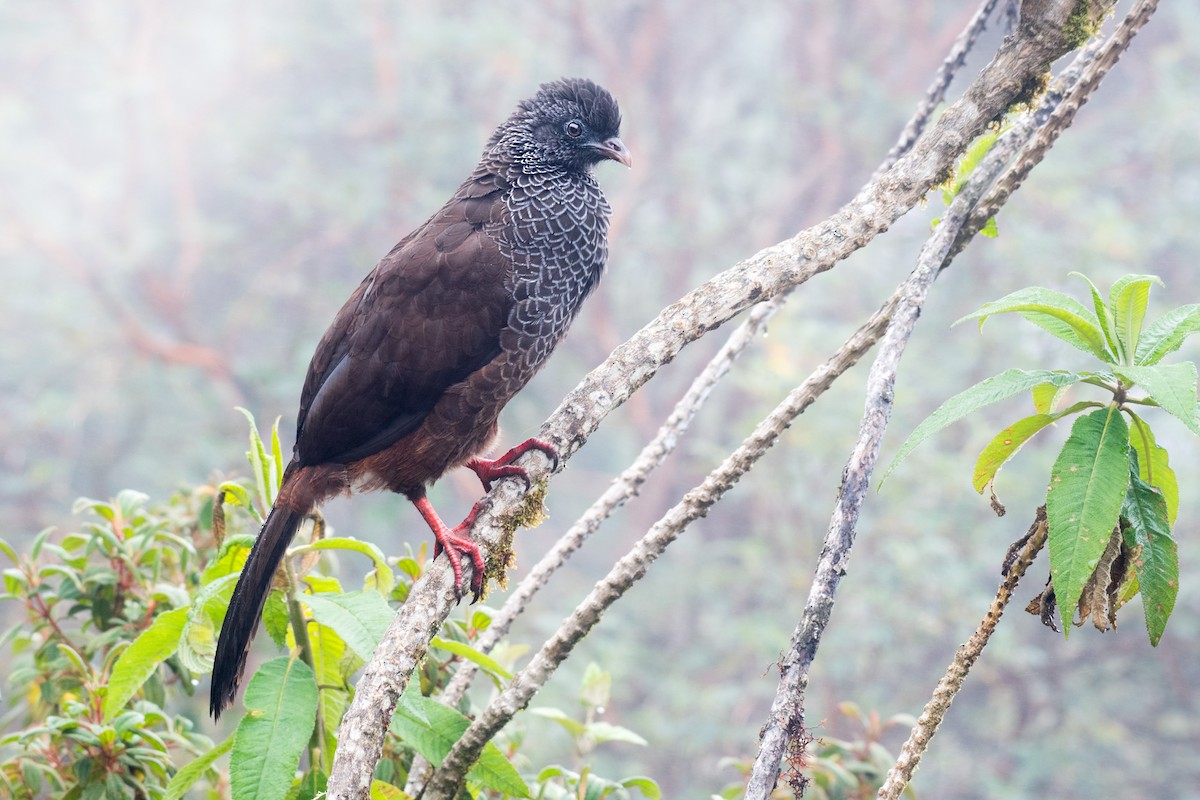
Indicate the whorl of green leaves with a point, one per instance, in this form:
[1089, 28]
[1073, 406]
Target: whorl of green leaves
[1111, 478]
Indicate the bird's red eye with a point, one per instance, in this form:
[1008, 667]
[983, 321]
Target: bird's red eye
[574, 128]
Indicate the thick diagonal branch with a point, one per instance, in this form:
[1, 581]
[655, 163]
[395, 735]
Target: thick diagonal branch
[617, 494]
[634, 564]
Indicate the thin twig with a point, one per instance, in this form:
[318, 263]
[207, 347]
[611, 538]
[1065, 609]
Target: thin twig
[935, 710]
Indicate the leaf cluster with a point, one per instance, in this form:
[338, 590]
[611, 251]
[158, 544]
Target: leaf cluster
[122, 577]
[587, 730]
[1112, 497]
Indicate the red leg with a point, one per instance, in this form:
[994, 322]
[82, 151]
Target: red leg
[503, 467]
[456, 544]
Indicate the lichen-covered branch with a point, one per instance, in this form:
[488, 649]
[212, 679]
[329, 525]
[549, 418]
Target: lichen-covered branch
[617, 494]
[634, 564]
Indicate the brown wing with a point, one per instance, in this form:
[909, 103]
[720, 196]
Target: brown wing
[428, 315]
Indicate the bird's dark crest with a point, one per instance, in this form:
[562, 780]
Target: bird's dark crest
[599, 108]
[534, 140]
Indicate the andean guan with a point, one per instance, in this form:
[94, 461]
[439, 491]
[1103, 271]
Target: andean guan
[410, 378]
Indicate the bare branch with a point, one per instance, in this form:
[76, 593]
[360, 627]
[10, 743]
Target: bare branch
[936, 92]
[935, 710]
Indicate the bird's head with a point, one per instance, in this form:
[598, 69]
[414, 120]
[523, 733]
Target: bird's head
[570, 124]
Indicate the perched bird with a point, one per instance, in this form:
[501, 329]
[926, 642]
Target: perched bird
[410, 378]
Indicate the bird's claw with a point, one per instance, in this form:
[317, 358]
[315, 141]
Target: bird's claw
[455, 544]
[491, 470]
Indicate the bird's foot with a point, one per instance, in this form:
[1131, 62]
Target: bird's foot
[455, 544]
[503, 467]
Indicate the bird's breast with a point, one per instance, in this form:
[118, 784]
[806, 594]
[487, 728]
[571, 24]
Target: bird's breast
[557, 239]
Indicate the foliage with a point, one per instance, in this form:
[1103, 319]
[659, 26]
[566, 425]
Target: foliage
[1112, 496]
[121, 624]
[966, 165]
[98, 604]
[557, 782]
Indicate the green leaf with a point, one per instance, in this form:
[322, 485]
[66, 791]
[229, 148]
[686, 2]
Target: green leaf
[384, 577]
[257, 456]
[1054, 312]
[596, 687]
[276, 457]
[282, 703]
[1128, 300]
[385, 791]
[970, 160]
[1167, 334]
[600, 732]
[471, 654]
[431, 729]
[332, 663]
[360, 618]
[1153, 467]
[198, 643]
[647, 786]
[1103, 314]
[984, 393]
[1087, 487]
[1172, 386]
[1008, 441]
[1156, 562]
[275, 618]
[1046, 397]
[572, 725]
[7, 549]
[192, 772]
[990, 229]
[82, 668]
[138, 662]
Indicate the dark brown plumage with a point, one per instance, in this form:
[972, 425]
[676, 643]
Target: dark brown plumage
[409, 380]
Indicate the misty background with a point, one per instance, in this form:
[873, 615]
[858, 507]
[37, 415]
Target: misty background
[189, 192]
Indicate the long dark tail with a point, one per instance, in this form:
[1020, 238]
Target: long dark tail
[246, 605]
